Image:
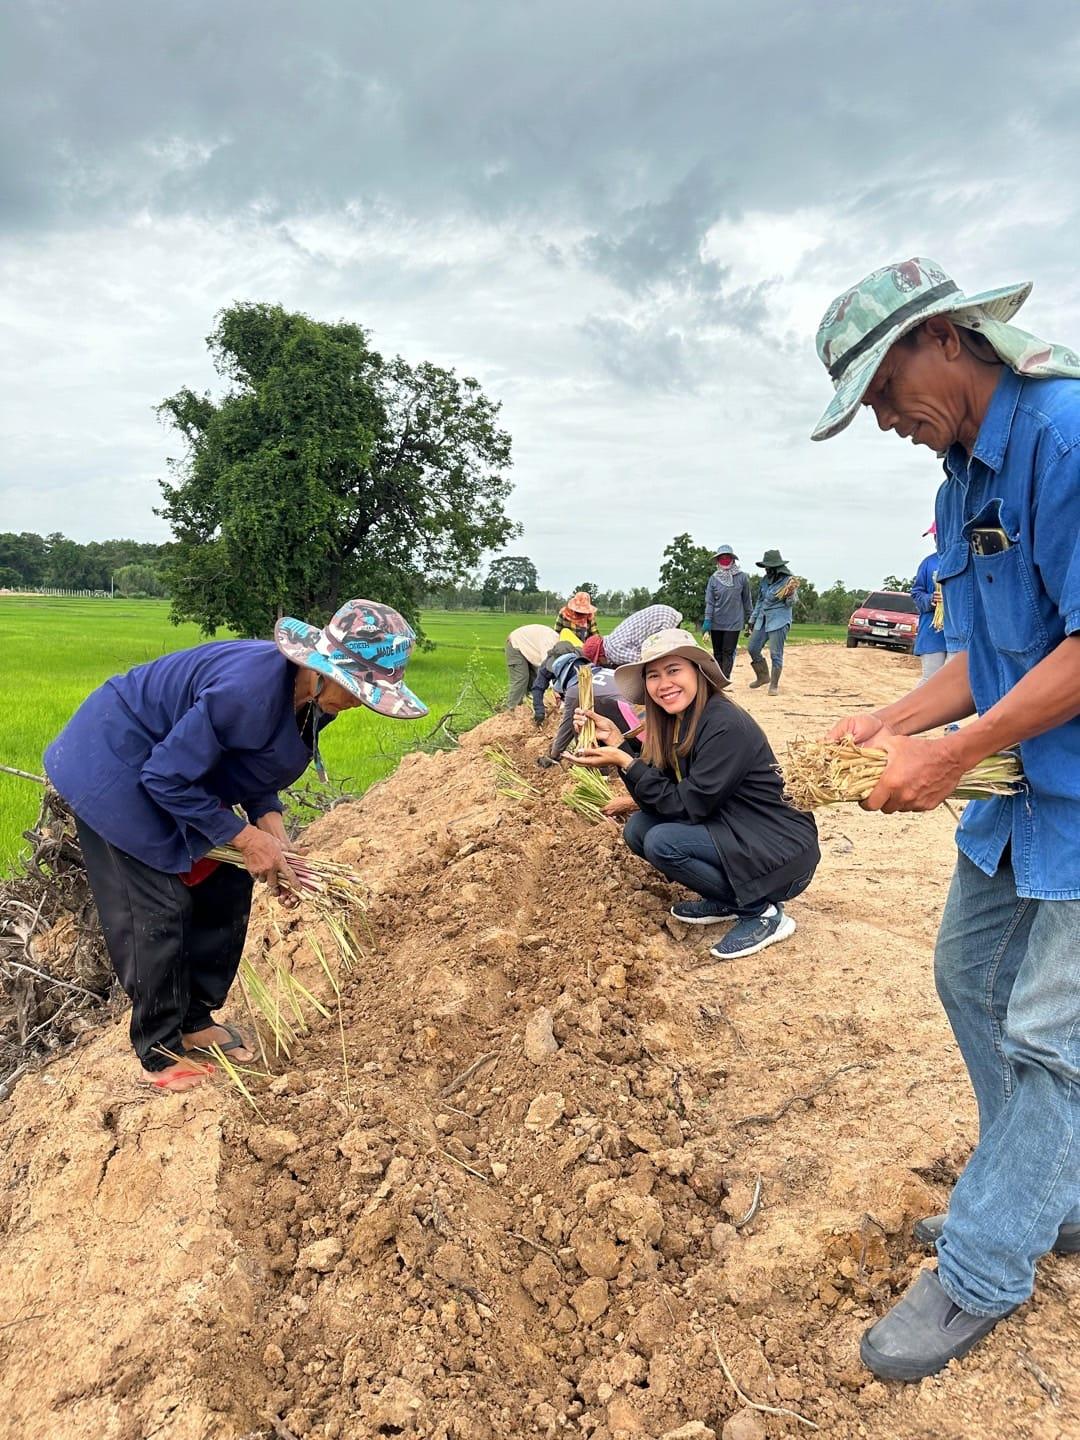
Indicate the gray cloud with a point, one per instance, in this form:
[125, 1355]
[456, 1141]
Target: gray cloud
[624, 217]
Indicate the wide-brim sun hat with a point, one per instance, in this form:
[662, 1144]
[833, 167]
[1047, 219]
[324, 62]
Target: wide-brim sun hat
[365, 648]
[630, 679]
[860, 326]
[771, 560]
[724, 550]
[581, 604]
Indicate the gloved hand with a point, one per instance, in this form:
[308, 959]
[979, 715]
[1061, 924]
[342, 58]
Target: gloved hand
[706, 625]
[545, 762]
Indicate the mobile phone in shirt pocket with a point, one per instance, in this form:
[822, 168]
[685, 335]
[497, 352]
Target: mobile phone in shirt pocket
[1004, 586]
[954, 577]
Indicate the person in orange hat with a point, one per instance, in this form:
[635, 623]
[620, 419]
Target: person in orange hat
[576, 621]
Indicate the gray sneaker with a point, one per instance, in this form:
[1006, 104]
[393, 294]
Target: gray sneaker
[922, 1333]
[928, 1232]
[701, 912]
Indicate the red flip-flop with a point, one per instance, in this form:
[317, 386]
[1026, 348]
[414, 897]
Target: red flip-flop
[166, 1081]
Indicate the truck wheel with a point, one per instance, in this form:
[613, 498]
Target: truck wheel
[852, 643]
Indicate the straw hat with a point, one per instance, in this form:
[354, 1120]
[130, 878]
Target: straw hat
[631, 678]
[581, 604]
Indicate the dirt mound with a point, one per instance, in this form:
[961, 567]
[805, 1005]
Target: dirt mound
[570, 1177]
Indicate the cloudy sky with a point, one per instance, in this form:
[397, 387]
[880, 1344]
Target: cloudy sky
[625, 217]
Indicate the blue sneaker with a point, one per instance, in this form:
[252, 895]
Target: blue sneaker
[753, 933]
[701, 912]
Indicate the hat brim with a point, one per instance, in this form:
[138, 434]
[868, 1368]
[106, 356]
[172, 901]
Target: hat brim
[1000, 304]
[630, 679]
[394, 700]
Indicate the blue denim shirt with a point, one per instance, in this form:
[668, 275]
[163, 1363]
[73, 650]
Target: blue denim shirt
[1009, 611]
[928, 641]
[775, 613]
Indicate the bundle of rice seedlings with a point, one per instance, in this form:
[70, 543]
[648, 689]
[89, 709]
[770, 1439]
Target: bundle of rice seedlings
[587, 793]
[509, 780]
[587, 735]
[938, 621]
[331, 894]
[817, 773]
[787, 590]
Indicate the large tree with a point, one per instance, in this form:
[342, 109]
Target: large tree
[507, 573]
[684, 576]
[324, 472]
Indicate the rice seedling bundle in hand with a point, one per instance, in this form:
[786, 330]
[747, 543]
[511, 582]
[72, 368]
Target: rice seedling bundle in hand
[938, 621]
[330, 893]
[587, 793]
[509, 780]
[587, 735]
[818, 773]
[787, 590]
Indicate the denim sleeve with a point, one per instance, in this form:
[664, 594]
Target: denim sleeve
[174, 767]
[922, 592]
[540, 685]
[1057, 536]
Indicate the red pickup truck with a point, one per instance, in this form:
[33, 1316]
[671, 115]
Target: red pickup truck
[886, 617]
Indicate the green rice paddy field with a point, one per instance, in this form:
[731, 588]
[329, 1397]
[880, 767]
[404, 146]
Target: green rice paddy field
[53, 652]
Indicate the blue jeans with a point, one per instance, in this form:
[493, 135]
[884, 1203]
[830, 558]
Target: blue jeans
[776, 640]
[1008, 974]
[687, 855]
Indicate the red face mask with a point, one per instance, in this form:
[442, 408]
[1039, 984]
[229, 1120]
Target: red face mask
[724, 560]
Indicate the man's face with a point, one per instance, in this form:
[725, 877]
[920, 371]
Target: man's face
[915, 392]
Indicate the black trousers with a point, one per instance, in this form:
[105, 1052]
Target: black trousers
[175, 948]
[724, 645]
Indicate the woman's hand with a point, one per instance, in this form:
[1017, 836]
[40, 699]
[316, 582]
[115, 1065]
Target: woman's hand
[596, 757]
[266, 856]
[621, 805]
[607, 732]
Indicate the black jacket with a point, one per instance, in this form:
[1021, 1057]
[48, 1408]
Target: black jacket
[731, 785]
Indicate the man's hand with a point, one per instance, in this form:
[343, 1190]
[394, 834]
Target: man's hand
[865, 729]
[266, 857]
[920, 773]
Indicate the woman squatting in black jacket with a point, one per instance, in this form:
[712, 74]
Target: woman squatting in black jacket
[711, 813]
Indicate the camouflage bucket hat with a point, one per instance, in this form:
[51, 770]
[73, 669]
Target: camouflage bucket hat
[861, 324]
[365, 648]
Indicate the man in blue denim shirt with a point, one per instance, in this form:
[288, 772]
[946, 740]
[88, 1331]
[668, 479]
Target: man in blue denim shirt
[949, 372]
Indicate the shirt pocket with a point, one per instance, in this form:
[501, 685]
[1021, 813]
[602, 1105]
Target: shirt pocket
[954, 577]
[1009, 602]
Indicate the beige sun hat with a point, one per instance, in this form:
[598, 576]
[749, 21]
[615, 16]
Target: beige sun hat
[630, 679]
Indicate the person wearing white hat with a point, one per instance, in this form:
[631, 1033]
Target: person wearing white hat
[711, 809]
[948, 371]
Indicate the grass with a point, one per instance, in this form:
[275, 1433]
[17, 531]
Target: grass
[55, 651]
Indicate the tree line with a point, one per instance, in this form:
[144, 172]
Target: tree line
[324, 470]
[53, 562]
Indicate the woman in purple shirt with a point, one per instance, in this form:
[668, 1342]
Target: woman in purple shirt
[154, 764]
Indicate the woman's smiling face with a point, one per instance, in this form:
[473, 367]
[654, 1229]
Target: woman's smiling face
[672, 682]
